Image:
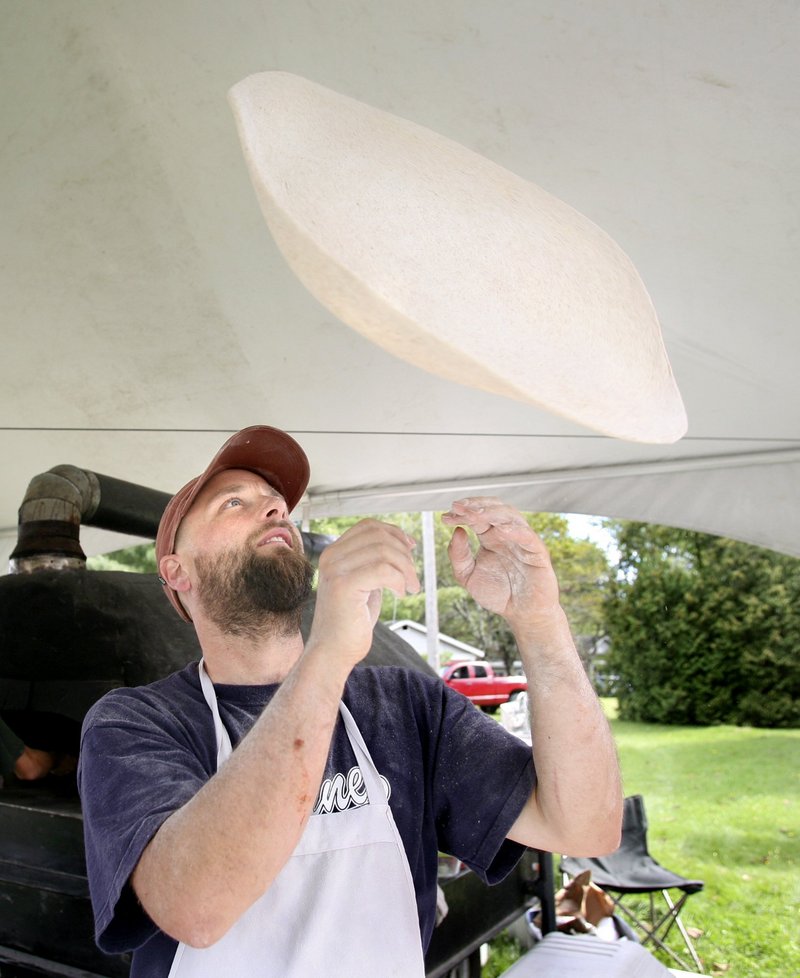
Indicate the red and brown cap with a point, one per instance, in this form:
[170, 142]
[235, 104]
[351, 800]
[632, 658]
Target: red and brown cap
[269, 452]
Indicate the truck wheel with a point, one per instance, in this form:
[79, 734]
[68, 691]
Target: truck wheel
[514, 695]
[467, 968]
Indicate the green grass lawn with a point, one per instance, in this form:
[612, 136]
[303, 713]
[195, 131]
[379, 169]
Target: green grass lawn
[723, 806]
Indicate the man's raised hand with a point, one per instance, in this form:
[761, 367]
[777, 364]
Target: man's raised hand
[353, 573]
[510, 573]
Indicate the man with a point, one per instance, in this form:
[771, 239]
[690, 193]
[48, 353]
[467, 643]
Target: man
[311, 848]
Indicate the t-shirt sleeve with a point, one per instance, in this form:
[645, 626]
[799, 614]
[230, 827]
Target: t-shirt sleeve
[136, 768]
[483, 776]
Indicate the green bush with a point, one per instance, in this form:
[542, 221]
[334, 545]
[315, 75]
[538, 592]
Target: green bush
[704, 630]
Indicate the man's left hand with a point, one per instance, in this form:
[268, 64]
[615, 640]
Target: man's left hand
[510, 573]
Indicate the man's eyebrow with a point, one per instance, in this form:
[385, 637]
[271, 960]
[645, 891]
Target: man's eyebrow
[233, 487]
[226, 490]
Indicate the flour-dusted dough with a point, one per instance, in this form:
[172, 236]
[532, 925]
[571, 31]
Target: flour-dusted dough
[454, 263]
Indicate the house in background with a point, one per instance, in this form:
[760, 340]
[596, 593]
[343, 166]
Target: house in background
[449, 648]
[594, 651]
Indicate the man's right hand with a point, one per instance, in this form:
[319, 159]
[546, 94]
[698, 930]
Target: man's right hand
[353, 572]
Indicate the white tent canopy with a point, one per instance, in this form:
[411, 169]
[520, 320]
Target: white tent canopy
[147, 312]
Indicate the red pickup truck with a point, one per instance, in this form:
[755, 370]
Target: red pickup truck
[480, 683]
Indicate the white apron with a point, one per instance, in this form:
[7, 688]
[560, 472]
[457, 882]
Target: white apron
[343, 906]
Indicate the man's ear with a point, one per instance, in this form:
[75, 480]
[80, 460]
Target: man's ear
[173, 573]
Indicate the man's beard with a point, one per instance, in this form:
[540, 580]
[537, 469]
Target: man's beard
[249, 594]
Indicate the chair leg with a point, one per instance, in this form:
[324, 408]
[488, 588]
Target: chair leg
[679, 924]
[655, 929]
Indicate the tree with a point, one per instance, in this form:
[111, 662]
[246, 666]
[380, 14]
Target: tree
[703, 629]
[140, 558]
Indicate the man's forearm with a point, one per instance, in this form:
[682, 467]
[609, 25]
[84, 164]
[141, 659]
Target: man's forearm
[576, 807]
[216, 855]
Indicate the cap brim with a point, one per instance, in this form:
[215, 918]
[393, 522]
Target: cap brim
[269, 451]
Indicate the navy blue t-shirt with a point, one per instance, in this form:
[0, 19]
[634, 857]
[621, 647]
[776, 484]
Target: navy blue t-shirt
[457, 782]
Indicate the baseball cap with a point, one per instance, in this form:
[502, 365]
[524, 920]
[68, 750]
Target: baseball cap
[269, 452]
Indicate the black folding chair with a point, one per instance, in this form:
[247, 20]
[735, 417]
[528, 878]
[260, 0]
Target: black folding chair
[631, 870]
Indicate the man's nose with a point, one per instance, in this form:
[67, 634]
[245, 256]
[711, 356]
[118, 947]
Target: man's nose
[274, 508]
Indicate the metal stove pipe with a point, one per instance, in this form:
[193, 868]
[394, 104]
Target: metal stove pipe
[58, 501]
